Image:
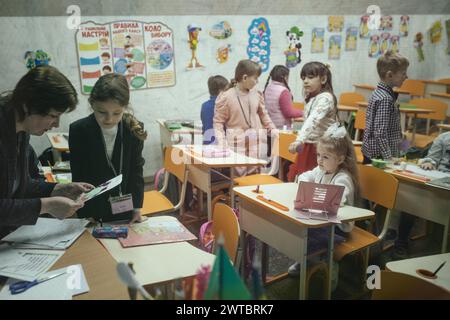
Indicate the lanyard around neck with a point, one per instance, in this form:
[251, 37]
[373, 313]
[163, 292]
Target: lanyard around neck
[110, 164]
[331, 180]
[249, 124]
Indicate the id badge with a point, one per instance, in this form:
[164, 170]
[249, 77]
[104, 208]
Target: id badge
[121, 204]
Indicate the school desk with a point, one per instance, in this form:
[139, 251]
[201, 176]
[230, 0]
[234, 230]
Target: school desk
[281, 229]
[422, 200]
[405, 110]
[158, 263]
[367, 89]
[444, 97]
[201, 168]
[59, 142]
[443, 126]
[434, 86]
[98, 266]
[177, 136]
[430, 263]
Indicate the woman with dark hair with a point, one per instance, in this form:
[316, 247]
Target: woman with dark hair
[32, 108]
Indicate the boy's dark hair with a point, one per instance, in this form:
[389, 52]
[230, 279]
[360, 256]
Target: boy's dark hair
[42, 89]
[217, 84]
[391, 61]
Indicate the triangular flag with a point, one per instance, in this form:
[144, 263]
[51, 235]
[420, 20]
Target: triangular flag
[224, 282]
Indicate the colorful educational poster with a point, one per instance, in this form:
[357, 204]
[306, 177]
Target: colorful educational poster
[335, 23]
[386, 23]
[395, 44]
[385, 38]
[223, 53]
[435, 32]
[404, 26]
[193, 40]
[159, 55]
[317, 40]
[142, 52]
[334, 47]
[364, 27]
[374, 46]
[258, 49]
[221, 30]
[351, 36]
[292, 52]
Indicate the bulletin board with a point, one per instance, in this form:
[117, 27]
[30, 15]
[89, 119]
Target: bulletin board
[142, 51]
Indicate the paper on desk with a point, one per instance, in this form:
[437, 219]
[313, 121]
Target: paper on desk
[432, 174]
[26, 264]
[59, 288]
[108, 185]
[49, 233]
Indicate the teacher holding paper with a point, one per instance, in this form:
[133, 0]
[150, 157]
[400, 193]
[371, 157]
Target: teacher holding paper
[33, 107]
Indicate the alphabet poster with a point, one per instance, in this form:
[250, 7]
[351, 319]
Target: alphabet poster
[142, 52]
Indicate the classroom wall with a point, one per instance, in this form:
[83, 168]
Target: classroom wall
[19, 34]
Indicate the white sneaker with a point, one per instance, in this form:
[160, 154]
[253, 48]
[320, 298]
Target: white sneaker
[294, 270]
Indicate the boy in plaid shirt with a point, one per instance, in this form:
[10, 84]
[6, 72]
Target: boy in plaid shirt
[383, 133]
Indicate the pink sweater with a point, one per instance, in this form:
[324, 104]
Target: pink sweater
[229, 115]
[278, 101]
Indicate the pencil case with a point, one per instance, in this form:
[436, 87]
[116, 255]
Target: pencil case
[110, 232]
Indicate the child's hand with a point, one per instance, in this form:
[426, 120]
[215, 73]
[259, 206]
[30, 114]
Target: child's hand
[295, 147]
[427, 166]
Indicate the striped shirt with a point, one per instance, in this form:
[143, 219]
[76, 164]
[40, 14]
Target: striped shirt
[383, 133]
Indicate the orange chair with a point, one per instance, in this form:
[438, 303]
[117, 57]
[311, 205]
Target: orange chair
[226, 225]
[155, 201]
[350, 99]
[280, 149]
[401, 286]
[439, 109]
[360, 123]
[298, 105]
[447, 82]
[416, 88]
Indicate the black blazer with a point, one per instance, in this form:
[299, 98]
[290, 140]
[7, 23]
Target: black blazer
[22, 207]
[89, 163]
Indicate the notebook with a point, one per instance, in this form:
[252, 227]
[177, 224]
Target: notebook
[318, 201]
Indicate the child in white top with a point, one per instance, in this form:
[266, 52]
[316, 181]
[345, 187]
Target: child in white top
[320, 113]
[336, 165]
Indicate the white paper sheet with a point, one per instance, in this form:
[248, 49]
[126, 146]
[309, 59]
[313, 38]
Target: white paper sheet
[108, 185]
[432, 174]
[49, 233]
[59, 288]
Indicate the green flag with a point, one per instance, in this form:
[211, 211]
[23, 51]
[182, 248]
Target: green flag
[224, 282]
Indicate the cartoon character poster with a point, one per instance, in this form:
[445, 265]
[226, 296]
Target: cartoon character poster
[317, 40]
[223, 53]
[351, 36]
[334, 47]
[258, 49]
[435, 32]
[128, 48]
[418, 44]
[335, 23]
[293, 53]
[404, 26]
[221, 30]
[386, 23]
[395, 44]
[364, 27]
[384, 42]
[374, 42]
[193, 40]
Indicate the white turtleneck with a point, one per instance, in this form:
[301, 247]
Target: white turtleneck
[110, 139]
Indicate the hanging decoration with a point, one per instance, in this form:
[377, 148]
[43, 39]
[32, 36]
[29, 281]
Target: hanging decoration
[404, 26]
[317, 40]
[258, 49]
[435, 32]
[223, 53]
[364, 27]
[221, 30]
[418, 44]
[394, 45]
[374, 51]
[334, 47]
[351, 36]
[36, 58]
[293, 53]
[384, 44]
[335, 23]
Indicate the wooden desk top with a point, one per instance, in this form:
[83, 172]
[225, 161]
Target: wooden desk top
[98, 266]
[443, 126]
[285, 194]
[59, 141]
[342, 107]
[434, 82]
[440, 94]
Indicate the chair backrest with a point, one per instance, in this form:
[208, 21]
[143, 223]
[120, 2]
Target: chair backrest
[401, 286]
[446, 81]
[351, 99]
[360, 120]
[226, 224]
[298, 105]
[416, 88]
[377, 186]
[174, 162]
[439, 108]
[285, 139]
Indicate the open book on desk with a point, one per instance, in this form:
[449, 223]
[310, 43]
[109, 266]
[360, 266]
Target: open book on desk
[48, 233]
